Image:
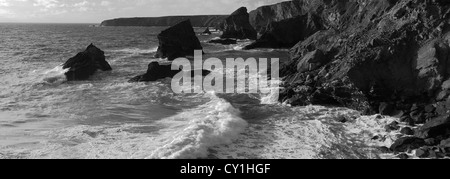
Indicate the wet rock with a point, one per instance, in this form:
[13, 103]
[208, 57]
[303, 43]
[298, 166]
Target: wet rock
[392, 127]
[407, 143]
[435, 127]
[384, 150]
[86, 63]
[157, 71]
[407, 131]
[341, 119]
[178, 41]
[445, 144]
[223, 41]
[431, 142]
[403, 156]
[237, 26]
[422, 153]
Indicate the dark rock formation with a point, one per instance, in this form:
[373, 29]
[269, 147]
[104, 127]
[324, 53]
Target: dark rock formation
[86, 63]
[223, 41]
[237, 26]
[378, 56]
[437, 127]
[287, 33]
[407, 143]
[157, 72]
[197, 21]
[178, 41]
[264, 15]
[407, 131]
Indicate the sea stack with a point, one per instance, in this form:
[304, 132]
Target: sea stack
[157, 71]
[86, 63]
[178, 41]
[237, 26]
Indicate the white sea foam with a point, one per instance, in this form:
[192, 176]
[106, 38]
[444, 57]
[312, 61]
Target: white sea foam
[55, 76]
[212, 124]
[136, 50]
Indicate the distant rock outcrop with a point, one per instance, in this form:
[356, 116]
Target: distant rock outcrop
[264, 15]
[178, 41]
[237, 26]
[86, 63]
[206, 32]
[157, 72]
[286, 33]
[223, 41]
[197, 21]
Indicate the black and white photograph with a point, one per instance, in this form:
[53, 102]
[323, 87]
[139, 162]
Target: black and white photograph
[225, 79]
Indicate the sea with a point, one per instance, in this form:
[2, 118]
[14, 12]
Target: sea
[43, 116]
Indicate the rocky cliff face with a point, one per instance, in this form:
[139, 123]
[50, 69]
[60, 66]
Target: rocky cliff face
[262, 16]
[237, 26]
[286, 33]
[385, 56]
[197, 21]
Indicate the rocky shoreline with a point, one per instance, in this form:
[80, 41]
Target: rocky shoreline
[376, 56]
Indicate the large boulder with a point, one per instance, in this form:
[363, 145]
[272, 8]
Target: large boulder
[407, 143]
[178, 41]
[439, 126]
[157, 71]
[288, 32]
[237, 26]
[86, 63]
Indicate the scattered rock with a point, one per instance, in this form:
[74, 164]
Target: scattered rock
[237, 26]
[407, 131]
[403, 156]
[341, 119]
[157, 71]
[422, 153]
[435, 127]
[223, 41]
[178, 41]
[86, 63]
[394, 126]
[407, 143]
[384, 150]
[431, 142]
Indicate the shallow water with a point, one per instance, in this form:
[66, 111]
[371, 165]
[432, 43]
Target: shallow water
[43, 116]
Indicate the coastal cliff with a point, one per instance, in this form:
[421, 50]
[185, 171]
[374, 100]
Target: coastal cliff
[263, 15]
[378, 56]
[197, 21]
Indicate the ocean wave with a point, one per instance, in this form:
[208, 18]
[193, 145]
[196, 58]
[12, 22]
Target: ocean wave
[136, 50]
[214, 123]
[55, 76]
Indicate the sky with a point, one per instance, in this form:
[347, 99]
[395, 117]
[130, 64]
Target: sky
[95, 11]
